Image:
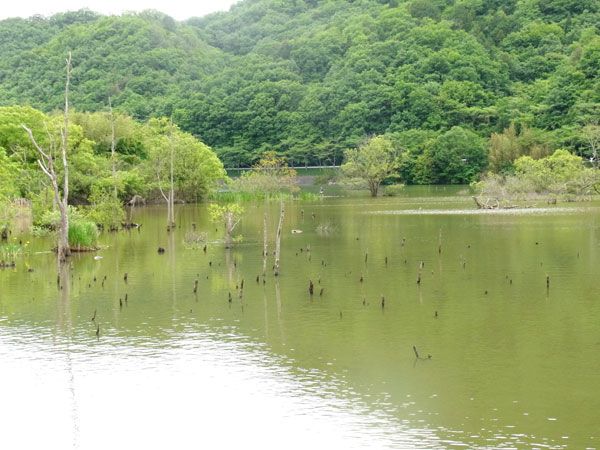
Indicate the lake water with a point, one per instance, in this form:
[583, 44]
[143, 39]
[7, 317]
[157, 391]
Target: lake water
[505, 361]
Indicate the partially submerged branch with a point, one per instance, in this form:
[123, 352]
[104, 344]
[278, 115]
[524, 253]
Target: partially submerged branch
[487, 204]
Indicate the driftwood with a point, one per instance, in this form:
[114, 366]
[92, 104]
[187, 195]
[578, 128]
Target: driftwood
[487, 204]
[80, 249]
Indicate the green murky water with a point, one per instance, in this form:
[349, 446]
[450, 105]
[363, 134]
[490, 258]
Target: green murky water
[513, 364]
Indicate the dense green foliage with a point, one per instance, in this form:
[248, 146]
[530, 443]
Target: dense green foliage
[372, 162]
[311, 78]
[8, 175]
[560, 175]
[139, 153]
[83, 235]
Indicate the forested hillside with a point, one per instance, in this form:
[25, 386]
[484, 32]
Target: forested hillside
[310, 78]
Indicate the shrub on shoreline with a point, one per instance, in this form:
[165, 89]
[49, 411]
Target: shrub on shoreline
[561, 175]
[83, 235]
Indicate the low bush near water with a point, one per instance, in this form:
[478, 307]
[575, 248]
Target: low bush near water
[83, 235]
[561, 175]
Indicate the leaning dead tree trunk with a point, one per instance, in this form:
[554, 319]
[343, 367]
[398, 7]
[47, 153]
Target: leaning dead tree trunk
[278, 240]
[46, 163]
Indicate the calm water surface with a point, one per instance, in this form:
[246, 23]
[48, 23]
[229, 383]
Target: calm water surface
[513, 364]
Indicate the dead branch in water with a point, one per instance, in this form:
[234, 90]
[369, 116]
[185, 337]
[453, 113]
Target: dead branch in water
[487, 204]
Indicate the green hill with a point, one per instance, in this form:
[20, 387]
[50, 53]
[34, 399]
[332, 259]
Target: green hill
[311, 78]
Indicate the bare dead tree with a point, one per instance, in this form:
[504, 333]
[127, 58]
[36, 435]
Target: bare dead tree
[52, 153]
[278, 240]
[591, 134]
[264, 273]
[46, 163]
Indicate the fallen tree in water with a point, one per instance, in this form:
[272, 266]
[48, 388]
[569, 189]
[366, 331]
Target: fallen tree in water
[495, 205]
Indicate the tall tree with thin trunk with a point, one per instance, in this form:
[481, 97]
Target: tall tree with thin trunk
[112, 146]
[171, 198]
[46, 163]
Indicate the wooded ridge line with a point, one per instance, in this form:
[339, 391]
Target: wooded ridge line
[309, 79]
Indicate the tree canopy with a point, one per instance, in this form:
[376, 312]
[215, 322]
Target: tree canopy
[140, 150]
[311, 78]
[372, 162]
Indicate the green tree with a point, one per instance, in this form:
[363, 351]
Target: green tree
[196, 169]
[8, 176]
[105, 210]
[372, 162]
[8, 190]
[555, 173]
[456, 157]
[503, 149]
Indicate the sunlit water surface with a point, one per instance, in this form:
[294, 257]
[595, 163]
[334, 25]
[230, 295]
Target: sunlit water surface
[506, 360]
